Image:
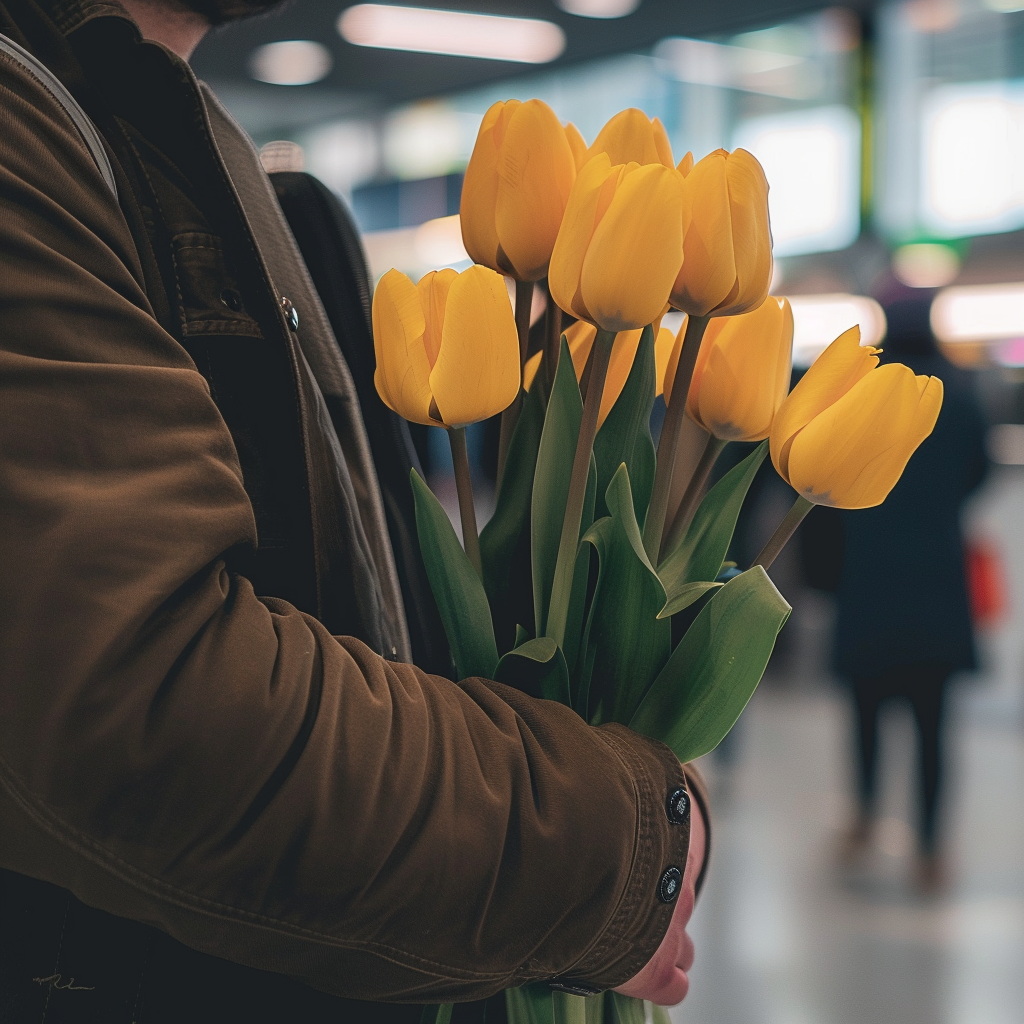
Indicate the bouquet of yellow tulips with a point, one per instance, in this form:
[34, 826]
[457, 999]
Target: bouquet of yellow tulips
[571, 590]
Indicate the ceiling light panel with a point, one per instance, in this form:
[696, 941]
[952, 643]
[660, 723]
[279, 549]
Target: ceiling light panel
[452, 33]
[990, 312]
[599, 8]
[290, 62]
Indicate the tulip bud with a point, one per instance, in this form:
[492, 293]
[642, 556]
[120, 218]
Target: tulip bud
[630, 136]
[848, 429]
[620, 244]
[742, 372]
[727, 241]
[447, 349]
[516, 187]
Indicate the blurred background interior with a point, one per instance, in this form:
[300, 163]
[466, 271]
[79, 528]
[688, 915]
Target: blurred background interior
[893, 139]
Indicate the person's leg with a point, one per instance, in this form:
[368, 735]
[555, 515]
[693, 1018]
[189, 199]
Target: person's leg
[867, 695]
[867, 698]
[927, 685]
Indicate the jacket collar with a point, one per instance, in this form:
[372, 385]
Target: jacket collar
[69, 15]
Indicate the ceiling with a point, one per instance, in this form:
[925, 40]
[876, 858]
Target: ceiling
[365, 79]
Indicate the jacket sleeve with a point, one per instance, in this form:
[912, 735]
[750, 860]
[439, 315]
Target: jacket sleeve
[176, 750]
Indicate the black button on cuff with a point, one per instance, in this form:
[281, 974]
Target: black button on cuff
[678, 806]
[669, 885]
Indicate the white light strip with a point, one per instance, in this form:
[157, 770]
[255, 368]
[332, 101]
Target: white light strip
[990, 312]
[819, 319]
[454, 33]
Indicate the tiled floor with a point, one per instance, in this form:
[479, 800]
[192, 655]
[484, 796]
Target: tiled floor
[784, 937]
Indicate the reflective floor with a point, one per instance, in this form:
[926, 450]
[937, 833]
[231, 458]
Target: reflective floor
[786, 937]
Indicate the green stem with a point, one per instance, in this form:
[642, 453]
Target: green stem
[568, 544]
[668, 443]
[464, 488]
[509, 418]
[786, 529]
[552, 335]
[694, 492]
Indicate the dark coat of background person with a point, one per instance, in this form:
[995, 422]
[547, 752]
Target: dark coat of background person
[223, 795]
[902, 591]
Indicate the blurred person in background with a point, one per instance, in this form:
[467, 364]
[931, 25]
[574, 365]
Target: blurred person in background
[903, 619]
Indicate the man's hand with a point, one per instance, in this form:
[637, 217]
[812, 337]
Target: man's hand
[663, 980]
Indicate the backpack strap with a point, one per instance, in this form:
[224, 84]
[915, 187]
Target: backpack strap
[53, 85]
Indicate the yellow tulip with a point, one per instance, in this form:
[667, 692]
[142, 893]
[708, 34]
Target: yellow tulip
[632, 136]
[620, 244]
[447, 350]
[577, 144]
[727, 241]
[516, 187]
[742, 372]
[849, 427]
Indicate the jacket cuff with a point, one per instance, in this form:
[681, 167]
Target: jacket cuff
[661, 839]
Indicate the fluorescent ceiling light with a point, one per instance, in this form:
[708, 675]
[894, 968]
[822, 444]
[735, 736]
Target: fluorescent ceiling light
[599, 8]
[819, 319]
[343, 154]
[750, 69]
[290, 62]
[973, 159]
[812, 161]
[990, 312]
[454, 33]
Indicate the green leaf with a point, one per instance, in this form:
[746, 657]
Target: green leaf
[626, 1010]
[641, 473]
[437, 1014]
[627, 641]
[551, 483]
[701, 552]
[522, 635]
[684, 595]
[620, 439]
[551, 480]
[659, 1015]
[457, 589]
[530, 1004]
[538, 668]
[505, 540]
[580, 576]
[714, 671]
[569, 1009]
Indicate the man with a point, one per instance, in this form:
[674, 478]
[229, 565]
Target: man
[214, 805]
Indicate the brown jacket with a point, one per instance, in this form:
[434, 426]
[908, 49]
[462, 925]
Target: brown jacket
[183, 750]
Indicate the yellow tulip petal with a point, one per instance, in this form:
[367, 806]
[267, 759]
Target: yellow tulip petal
[477, 370]
[636, 250]
[403, 370]
[661, 144]
[536, 170]
[619, 364]
[711, 334]
[673, 362]
[577, 144]
[631, 136]
[433, 290]
[530, 370]
[708, 271]
[580, 339]
[830, 377]
[853, 453]
[575, 234]
[685, 165]
[480, 192]
[752, 239]
[743, 372]
[664, 342]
